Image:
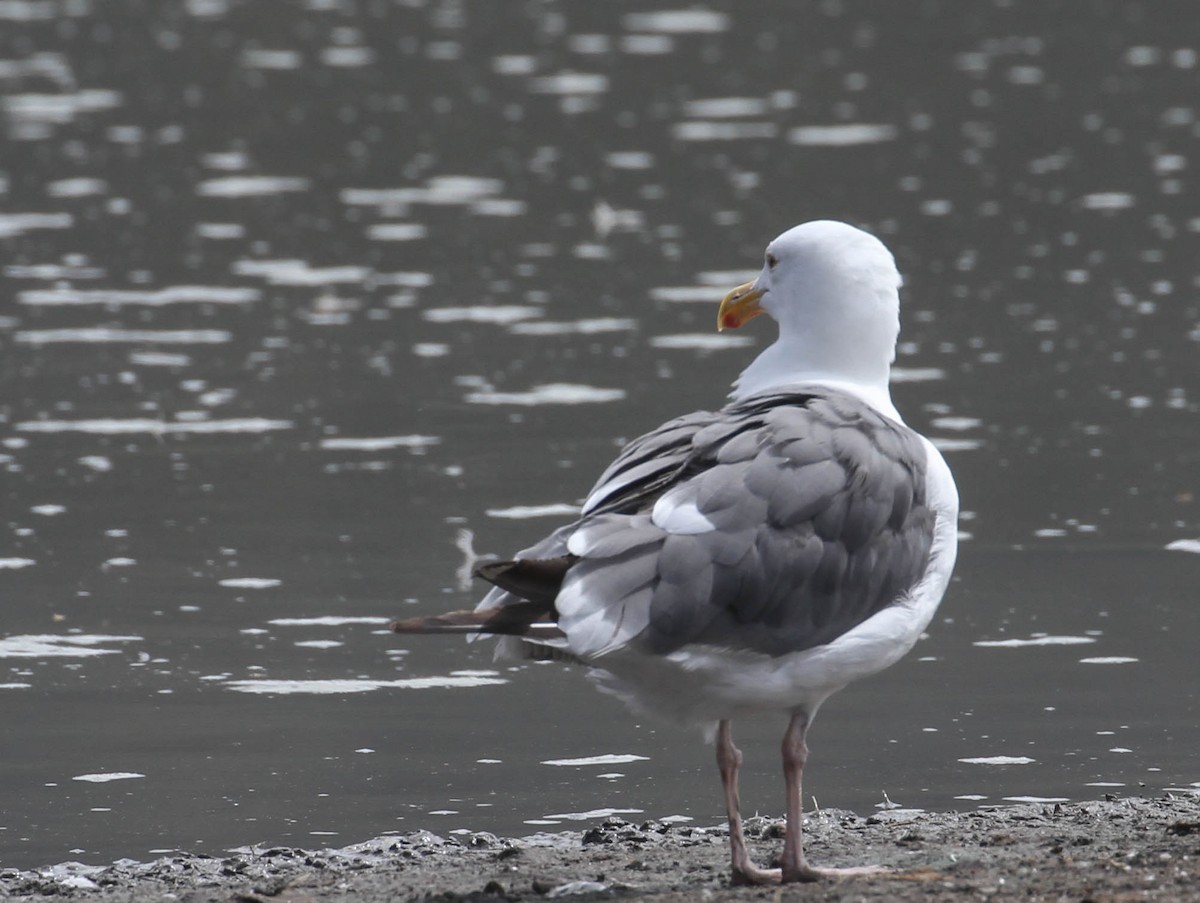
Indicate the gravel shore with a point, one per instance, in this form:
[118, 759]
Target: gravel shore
[1112, 850]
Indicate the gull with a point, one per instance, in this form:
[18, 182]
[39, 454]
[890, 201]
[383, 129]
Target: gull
[755, 559]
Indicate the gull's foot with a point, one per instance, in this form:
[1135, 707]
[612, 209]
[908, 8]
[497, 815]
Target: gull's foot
[808, 873]
[749, 875]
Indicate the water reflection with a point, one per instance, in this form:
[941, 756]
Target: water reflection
[303, 315]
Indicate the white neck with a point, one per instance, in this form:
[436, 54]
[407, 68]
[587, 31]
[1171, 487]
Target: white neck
[774, 370]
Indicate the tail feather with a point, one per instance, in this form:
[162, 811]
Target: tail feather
[536, 581]
[526, 619]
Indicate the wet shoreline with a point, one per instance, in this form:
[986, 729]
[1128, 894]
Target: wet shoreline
[1095, 850]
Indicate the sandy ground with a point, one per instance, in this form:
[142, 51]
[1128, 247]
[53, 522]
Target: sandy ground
[1104, 852]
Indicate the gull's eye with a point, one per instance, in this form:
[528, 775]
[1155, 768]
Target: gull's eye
[772, 261]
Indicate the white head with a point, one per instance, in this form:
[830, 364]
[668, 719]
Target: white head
[834, 291]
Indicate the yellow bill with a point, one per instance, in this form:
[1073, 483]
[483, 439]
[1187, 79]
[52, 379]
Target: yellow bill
[739, 307]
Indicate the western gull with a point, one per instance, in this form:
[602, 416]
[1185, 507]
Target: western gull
[760, 557]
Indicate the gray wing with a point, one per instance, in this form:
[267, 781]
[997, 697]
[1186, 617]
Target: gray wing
[773, 525]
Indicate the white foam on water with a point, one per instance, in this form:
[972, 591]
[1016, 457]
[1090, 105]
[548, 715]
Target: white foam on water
[553, 393]
[1108, 660]
[447, 190]
[499, 207]
[570, 83]
[115, 427]
[46, 645]
[725, 107]
[105, 777]
[520, 512]
[327, 621]
[59, 109]
[729, 278]
[701, 341]
[404, 279]
[941, 443]
[956, 423]
[1036, 799]
[107, 335]
[397, 231]
[13, 564]
[514, 64]
[264, 58]
[630, 160]
[1184, 545]
[431, 349]
[52, 271]
[318, 644]
[646, 44]
[81, 187]
[677, 21]
[159, 359]
[842, 135]
[998, 760]
[594, 813]
[250, 186]
[13, 224]
[1107, 200]
[723, 130]
[607, 759]
[917, 374]
[176, 294]
[293, 271]
[27, 11]
[574, 327]
[329, 687]
[500, 313]
[250, 582]
[378, 443]
[686, 293]
[347, 57]
[1036, 641]
[220, 231]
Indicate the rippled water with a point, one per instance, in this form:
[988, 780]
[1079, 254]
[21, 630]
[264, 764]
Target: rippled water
[301, 311]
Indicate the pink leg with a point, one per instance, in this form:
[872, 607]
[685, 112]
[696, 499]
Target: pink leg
[729, 760]
[794, 865]
[795, 755]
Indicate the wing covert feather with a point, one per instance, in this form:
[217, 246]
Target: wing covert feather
[818, 520]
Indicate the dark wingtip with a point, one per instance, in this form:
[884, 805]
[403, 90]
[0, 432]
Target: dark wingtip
[536, 579]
